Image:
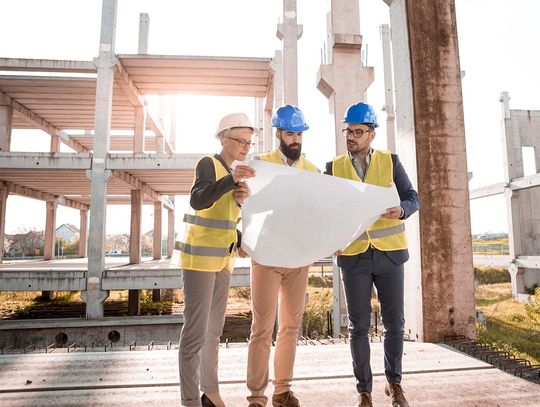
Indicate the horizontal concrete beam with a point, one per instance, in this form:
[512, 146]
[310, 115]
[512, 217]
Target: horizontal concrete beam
[532, 262]
[82, 161]
[50, 65]
[488, 190]
[525, 182]
[135, 183]
[491, 260]
[516, 184]
[152, 161]
[58, 323]
[44, 196]
[44, 125]
[42, 280]
[146, 279]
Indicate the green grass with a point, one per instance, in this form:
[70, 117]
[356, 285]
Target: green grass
[508, 325]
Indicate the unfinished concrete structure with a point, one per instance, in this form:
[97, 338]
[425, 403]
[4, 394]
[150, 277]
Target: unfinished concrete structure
[521, 129]
[95, 175]
[439, 283]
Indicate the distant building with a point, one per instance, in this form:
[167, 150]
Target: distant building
[68, 232]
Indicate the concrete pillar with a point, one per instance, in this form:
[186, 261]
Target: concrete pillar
[144, 29]
[140, 126]
[6, 114]
[140, 111]
[83, 236]
[388, 89]
[94, 295]
[170, 229]
[135, 226]
[50, 228]
[158, 212]
[289, 32]
[343, 81]
[173, 125]
[4, 193]
[277, 66]
[431, 140]
[267, 131]
[522, 207]
[135, 246]
[55, 144]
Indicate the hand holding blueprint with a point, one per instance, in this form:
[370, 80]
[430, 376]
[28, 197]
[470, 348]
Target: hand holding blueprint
[295, 217]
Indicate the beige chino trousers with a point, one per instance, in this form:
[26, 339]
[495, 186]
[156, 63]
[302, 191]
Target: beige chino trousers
[267, 285]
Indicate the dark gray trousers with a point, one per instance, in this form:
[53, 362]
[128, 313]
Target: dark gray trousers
[359, 274]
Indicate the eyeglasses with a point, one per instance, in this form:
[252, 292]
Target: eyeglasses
[356, 133]
[241, 143]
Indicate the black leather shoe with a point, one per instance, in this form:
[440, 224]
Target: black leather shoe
[206, 402]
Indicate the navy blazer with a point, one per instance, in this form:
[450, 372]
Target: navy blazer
[409, 203]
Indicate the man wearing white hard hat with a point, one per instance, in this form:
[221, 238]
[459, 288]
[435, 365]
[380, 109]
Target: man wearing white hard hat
[207, 258]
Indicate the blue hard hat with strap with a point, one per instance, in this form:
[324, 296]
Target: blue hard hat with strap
[289, 118]
[361, 113]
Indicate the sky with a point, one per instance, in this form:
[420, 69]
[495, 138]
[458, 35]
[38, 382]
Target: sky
[498, 53]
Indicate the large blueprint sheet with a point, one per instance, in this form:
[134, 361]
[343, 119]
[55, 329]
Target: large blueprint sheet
[294, 217]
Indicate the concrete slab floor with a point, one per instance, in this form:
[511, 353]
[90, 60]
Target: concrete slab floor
[434, 375]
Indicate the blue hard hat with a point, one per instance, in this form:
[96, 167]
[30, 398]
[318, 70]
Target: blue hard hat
[361, 113]
[289, 118]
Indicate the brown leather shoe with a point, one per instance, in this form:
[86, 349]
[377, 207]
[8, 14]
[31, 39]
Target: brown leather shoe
[395, 392]
[364, 399]
[286, 399]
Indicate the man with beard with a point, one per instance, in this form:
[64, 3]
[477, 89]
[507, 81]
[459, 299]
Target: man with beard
[376, 257]
[268, 282]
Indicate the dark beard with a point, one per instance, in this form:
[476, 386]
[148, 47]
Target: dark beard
[291, 153]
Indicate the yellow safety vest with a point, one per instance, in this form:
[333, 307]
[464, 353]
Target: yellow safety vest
[275, 157]
[384, 234]
[211, 232]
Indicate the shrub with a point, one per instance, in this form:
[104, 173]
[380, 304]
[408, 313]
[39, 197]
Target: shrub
[533, 308]
[491, 275]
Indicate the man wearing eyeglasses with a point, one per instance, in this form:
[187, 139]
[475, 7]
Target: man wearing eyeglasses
[376, 257]
[267, 283]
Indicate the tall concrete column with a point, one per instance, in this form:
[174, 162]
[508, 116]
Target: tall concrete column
[94, 295]
[55, 144]
[344, 80]
[170, 229]
[289, 32]
[158, 213]
[431, 140]
[140, 126]
[6, 113]
[134, 306]
[144, 30]
[388, 89]
[520, 129]
[83, 233]
[50, 228]
[4, 193]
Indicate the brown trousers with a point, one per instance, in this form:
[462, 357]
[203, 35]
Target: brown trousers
[267, 284]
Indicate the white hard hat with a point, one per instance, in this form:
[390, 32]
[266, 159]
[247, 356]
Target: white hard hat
[233, 120]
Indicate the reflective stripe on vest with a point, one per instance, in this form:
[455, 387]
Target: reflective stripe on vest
[385, 234]
[211, 232]
[202, 250]
[378, 233]
[275, 157]
[209, 223]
